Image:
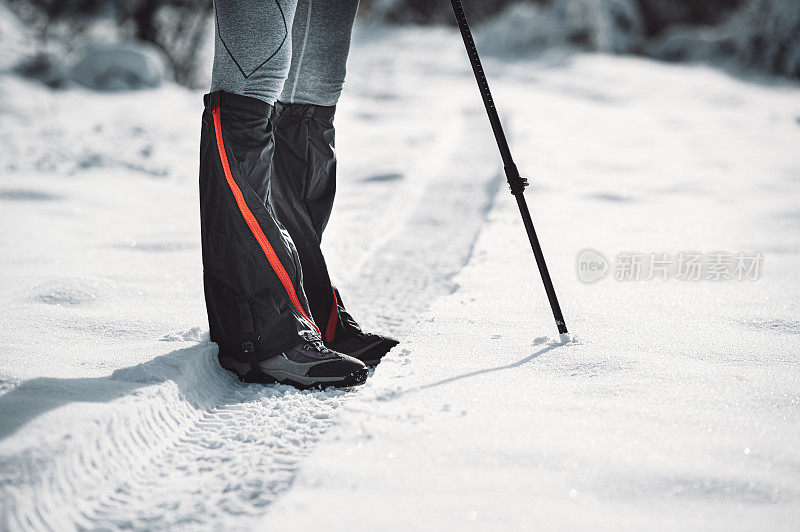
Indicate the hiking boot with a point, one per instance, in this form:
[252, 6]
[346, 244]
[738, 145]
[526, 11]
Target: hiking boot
[367, 347]
[309, 364]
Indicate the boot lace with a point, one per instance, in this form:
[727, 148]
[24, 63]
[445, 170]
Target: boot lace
[318, 346]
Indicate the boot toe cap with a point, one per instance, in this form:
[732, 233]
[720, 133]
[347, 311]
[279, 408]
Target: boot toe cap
[340, 367]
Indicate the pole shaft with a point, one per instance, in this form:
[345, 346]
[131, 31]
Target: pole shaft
[540, 262]
[516, 182]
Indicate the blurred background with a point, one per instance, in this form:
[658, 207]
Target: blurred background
[122, 44]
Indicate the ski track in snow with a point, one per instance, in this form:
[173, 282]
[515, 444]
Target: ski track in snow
[241, 453]
[177, 442]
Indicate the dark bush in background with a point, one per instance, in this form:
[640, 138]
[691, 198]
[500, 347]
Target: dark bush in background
[762, 35]
[657, 14]
[430, 11]
[759, 34]
[176, 27]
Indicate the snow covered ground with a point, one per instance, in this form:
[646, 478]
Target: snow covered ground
[677, 406]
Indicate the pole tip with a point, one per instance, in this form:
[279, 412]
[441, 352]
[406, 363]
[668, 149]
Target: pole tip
[565, 338]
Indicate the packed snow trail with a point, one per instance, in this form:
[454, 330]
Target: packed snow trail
[175, 441]
[243, 452]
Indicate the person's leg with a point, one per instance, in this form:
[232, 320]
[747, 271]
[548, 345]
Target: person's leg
[257, 309]
[252, 47]
[304, 184]
[321, 40]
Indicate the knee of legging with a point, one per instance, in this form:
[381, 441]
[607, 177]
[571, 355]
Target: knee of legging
[313, 89]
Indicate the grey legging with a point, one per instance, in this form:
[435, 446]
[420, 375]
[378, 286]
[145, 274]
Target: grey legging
[291, 50]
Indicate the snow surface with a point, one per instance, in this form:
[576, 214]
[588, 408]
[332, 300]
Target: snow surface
[673, 404]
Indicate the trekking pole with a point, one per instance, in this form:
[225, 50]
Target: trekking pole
[515, 181]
